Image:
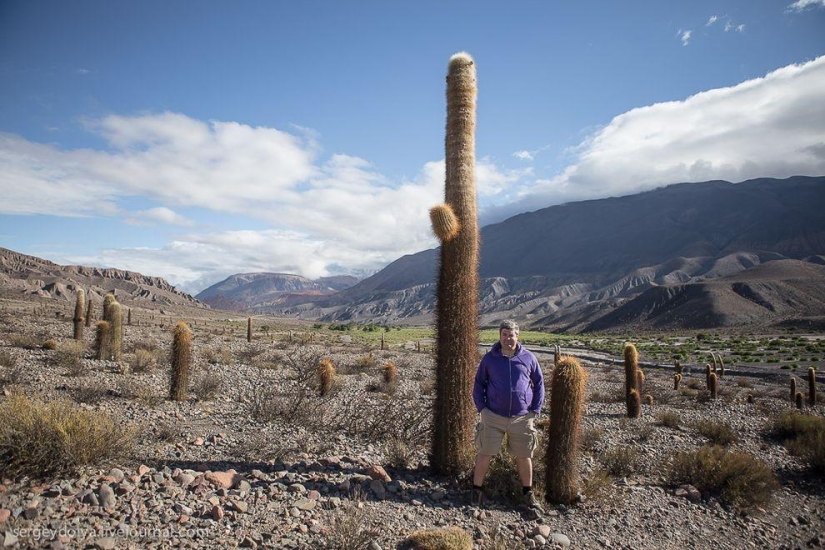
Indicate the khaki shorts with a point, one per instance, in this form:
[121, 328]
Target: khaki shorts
[522, 436]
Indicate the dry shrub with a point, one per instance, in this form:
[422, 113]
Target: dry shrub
[400, 454]
[7, 360]
[719, 433]
[50, 344]
[89, 393]
[590, 439]
[595, 484]
[669, 419]
[350, 529]
[735, 478]
[620, 461]
[249, 355]
[45, 440]
[206, 385]
[69, 356]
[365, 363]
[142, 360]
[219, 356]
[803, 435]
[25, 341]
[447, 538]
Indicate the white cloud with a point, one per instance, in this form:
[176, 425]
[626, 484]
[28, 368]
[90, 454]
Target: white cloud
[740, 28]
[802, 5]
[523, 155]
[684, 36]
[773, 126]
[160, 214]
[713, 19]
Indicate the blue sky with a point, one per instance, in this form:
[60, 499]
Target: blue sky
[194, 140]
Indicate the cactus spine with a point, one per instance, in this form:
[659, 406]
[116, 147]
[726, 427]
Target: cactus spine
[249, 329]
[457, 287]
[567, 390]
[326, 376]
[811, 386]
[444, 222]
[181, 361]
[713, 385]
[78, 319]
[631, 380]
[103, 340]
[89, 314]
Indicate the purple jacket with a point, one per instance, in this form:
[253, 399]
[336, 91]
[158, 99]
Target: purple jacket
[509, 386]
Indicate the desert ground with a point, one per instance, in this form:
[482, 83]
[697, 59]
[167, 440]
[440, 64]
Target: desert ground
[255, 456]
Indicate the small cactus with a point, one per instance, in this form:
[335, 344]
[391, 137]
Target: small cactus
[249, 329]
[640, 380]
[389, 373]
[103, 341]
[382, 341]
[444, 222]
[631, 380]
[78, 318]
[713, 385]
[567, 391]
[648, 399]
[678, 366]
[326, 376]
[811, 386]
[129, 317]
[793, 389]
[800, 400]
[677, 378]
[116, 314]
[181, 361]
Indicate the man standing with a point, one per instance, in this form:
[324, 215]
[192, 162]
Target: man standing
[508, 393]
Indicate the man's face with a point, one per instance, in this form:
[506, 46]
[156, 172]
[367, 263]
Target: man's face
[508, 339]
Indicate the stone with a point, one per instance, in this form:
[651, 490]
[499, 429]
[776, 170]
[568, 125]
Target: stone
[297, 488]
[376, 471]
[240, 506]
[559, 538]
[184, 479]
[10, 539]
[143, 469]
[377, 487]
[198, 442]
[117, 474]
[107, 497]
[5, 514]
[105, 543]
[314, 495]
[225, 480]
[543, 530]
[217, 513]
[306, 504]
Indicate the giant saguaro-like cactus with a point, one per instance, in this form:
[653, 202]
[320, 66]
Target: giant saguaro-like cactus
[181, 361]
[78, 318]
[632, 392]
[567, 390]
[457, 294]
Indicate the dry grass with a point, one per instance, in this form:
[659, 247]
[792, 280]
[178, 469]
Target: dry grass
[206, 385]
[803, 435]
[45, 440]
[620, 461]
[735, 478]
[448, 538]
[718, 433]
[69, 356]
[669, 419]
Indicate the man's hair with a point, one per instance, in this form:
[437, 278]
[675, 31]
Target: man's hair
[510, 325]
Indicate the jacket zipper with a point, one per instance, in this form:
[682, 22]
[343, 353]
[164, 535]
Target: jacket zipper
[510, 380]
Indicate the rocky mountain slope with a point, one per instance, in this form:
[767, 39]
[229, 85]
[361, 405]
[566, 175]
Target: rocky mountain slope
[256, 291]
[23, 275]
[579, 266]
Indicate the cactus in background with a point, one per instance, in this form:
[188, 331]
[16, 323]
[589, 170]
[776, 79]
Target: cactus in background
[713, 385]
[708, 372]
[326, 376]
[181, 361]
[631, 379]
[389, 373]
[677, 378]
[78, 319]
[457, 287]
[382, 341]
[567, 390]
[116, 321]
[556, 355]
[129, 317]
[811, 386]
[793, 389]
[721, 366]
[713, 358]
[678, 366]
[648, 399]
[89, 314]
[800, 400]
[444, 222]
[108, 300]
[103, 341]
[249, 329]
[640, 381]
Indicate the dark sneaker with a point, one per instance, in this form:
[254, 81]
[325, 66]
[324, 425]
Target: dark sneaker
[532, 502]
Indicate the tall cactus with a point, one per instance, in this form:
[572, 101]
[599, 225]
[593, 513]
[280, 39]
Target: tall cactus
[103, 339]
[457, 287]
[78, 319]
[116, 314]
[713, 385]
[811, 386]
[249, 329]
[567, 390]
[632, 392]
[89, 313]
[181, 361]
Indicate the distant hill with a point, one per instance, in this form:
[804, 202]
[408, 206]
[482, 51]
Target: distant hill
[23, 275]
[584, 265]
[253, 292]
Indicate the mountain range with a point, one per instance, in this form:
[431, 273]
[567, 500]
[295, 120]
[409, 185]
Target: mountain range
[692, 255]
[685, 256]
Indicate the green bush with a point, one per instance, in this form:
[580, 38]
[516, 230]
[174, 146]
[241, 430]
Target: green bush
[803, 435]
[737, 479]
[45, 440]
